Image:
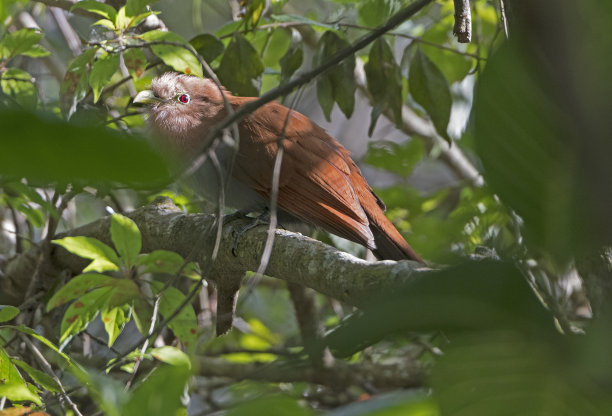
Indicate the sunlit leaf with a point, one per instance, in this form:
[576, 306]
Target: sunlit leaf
[161, 261]
[178, 57]
[42, 379]
[8, 312]
[19, 42]
[13, 387]
[19, 85]
[76, 287]
[82, 311]
[114, 320]
[126, 238]
[97, 7]
[104, 257]
[171, 355]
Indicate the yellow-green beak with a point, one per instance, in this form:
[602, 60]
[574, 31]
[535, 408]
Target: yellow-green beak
[146, 97]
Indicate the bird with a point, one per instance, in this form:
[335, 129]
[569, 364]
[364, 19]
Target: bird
[319, 183]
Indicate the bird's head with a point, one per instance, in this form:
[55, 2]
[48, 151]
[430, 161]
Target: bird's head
[182, 108]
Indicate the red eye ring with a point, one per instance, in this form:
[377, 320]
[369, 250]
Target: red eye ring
[183, 98]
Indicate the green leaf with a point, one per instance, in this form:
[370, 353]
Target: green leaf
[430, 89]
[135, 62]
[160, 393]
[19, 42]
[104, 257]
[81, 312]
[179, 58]
[373, 13]
[8, 312]
[13, 387]
[78, 286]
[107, 392]
[102, 71]
[106, 23]
[285, 18]
[114, 320]
[76, 81]
[384, 80]
[97, 7]
[171, 355]
[184, 325]
[126, 238]
[240, 67]
[51, 151]
[208, 46]
[412, 402]
[143, 313]
[338, 82]
[43, 380]
[393, 157]
[270, 405]
[36, 51]
[19, 85]
[161, 261]
[253, 12]
[134, 7]
[291, 61]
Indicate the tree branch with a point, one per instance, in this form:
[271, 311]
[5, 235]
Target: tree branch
[295, 258]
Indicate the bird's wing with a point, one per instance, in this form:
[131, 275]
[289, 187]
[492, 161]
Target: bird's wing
[315, 181]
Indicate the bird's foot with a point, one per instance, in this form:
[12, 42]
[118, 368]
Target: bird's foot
[261, 219]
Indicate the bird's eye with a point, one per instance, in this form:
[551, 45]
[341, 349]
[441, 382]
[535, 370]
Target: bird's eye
[183, 98]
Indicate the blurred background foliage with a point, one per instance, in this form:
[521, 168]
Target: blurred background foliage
[492, 159]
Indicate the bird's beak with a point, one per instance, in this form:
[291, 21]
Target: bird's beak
[146, 97]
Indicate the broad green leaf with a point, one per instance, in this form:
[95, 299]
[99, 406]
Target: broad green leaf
[104, 257]
[454, 66]
[430, 89]
[179, 58]
[122, 22]
[78, 154]
[73, 366]
[161, 261]
[106, 23]
[82, 311]
[397, 158]
[18, 42]
[410, 402]
[374, 13]
[338, 82]
[97, 7]
[276, 45]
[160, 393]
[384, 80]
[126, 238]
[270, 405]
[8, 312]
[36, 51]
[114, 320]
[42, 379]
[20, 86]
[135, 62]
[208, 46]
[291, 61]
[240, 67]
[78, 286]
[13, 387]
[184, 325]
[171, 355]
[76, 81]
[102, 71]
[134, 7]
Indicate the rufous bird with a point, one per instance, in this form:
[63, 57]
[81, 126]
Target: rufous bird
[319, 183]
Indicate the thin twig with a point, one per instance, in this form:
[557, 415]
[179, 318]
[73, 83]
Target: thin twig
[502, 15]
[145, 345]
[49, 370]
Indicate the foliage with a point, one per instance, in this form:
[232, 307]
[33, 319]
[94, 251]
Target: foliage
[71, 148]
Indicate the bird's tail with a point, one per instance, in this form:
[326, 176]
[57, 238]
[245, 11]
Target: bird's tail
[390, 245]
